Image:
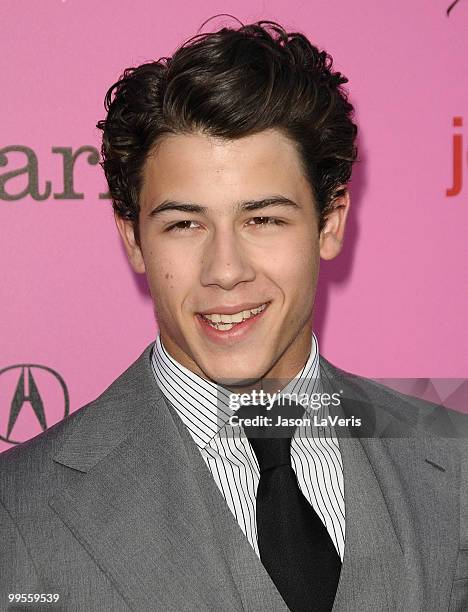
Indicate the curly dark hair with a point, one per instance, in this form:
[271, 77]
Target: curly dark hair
[228, 84]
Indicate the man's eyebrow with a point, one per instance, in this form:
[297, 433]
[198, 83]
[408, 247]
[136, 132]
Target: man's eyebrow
[246, 205]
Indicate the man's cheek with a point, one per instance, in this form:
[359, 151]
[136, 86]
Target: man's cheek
[296, 276]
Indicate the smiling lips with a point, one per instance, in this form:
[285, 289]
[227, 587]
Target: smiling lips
[225, 322]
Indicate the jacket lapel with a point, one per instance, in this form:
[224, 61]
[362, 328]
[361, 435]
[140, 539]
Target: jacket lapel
[372, 562]
[401, 502]
[255, 587]
[142, 503]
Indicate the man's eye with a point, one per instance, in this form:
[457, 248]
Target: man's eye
[267, 219]
[177, 226]
[183, 226]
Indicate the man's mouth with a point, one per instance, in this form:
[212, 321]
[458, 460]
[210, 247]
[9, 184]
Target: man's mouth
[226, 322]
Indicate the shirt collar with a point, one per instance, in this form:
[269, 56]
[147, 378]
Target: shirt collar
[203, 405]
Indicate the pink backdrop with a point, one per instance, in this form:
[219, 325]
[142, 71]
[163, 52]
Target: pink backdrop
[394, 304]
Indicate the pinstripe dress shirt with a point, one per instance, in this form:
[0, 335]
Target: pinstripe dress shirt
[204, 408]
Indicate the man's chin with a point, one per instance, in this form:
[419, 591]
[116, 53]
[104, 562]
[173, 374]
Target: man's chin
[236, 380]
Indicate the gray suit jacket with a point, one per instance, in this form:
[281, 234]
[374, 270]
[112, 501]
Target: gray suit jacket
[114, 509]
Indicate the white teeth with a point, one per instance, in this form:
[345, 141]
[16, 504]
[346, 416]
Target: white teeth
[226, 322]
[224, 326]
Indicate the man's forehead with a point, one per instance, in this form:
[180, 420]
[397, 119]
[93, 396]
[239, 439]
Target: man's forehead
[194, 147]
[248, 167]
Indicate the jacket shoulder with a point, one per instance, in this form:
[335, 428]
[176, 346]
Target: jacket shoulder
[30, 462]
[424, 415]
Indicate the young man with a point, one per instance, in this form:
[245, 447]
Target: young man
[228, 167]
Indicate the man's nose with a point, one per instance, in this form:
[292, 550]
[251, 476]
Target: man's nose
[225, 261]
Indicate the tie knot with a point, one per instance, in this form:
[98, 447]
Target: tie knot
[271, 452]
[271, 437]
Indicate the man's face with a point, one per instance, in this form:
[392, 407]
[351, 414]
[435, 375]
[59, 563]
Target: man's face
[228, 257]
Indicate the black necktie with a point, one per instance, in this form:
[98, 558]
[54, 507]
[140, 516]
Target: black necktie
[295, 546]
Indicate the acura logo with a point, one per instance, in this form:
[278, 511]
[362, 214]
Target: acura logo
[32, 398]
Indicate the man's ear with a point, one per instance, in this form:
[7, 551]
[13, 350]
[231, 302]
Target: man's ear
[127, 233]
[332, 234]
